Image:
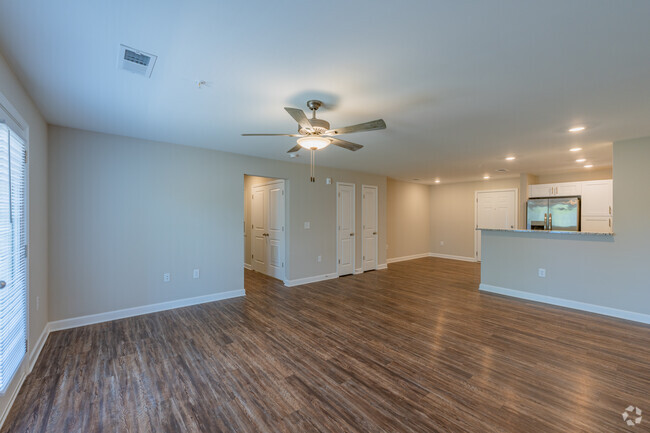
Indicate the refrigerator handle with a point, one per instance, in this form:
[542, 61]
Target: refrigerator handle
[550, 221]
[545, 218]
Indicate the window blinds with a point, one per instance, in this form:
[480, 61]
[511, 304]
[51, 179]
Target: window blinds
[13, 254]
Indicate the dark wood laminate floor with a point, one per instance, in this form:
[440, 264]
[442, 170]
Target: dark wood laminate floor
[415, 348]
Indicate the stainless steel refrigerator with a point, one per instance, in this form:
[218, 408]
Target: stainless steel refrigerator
[559, 214]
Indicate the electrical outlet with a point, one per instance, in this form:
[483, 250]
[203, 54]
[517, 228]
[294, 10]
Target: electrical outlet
[442, 243]
[320, 258]
[166, 277]
[195, 274]
[307, 225]
[541, 272]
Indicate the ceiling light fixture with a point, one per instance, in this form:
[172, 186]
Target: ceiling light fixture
[575, 149]
[314, 142]
[581, 160]
[510, 158]
[588, 165]
[577, 129]
[486, 177]
[437, 181]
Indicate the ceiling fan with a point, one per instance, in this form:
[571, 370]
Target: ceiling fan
[315, 134]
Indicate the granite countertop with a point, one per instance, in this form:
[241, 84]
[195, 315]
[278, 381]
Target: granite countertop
[559, 232]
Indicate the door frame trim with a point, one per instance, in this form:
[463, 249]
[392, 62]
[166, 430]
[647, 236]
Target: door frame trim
[376, 188]
[286, 246]
[354, 225]
[477, 255]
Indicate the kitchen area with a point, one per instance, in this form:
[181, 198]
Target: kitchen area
[571, 207]
[596, 265]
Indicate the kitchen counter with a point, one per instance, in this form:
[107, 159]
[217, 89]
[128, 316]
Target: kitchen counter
[551, 232]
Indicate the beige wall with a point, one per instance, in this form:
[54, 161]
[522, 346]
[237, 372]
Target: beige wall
[576, 176]
[408, 218]
[452, 215]
[11, 88]
[249, 183]
[597, 270]
[125, 211]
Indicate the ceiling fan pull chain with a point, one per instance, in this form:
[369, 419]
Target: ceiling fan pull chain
[312, 178]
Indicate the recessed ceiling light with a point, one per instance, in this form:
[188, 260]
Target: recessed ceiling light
[486, 177]
[437, 181]
[576, 149]
[510, 158]
[581, 160]
[577, 129]
[588, 165]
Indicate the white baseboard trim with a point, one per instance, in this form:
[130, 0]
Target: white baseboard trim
[405, 258]
[247, 266]
[145, 309]
[307, 280]
[36, 350]
[12, 397]
[382, 266]
[24, 370]
[450, 257]
[358, 271]
[576, 305]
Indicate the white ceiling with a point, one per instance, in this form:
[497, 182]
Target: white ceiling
[460, 84]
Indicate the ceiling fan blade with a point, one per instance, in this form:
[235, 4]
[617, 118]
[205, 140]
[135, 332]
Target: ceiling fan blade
[346, 144]
[295, 148]
[300, 117]
[271, 135]
[361, 127]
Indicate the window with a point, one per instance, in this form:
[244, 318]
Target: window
[13, 252]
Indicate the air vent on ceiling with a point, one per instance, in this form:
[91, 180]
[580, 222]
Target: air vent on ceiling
[136, 61]
[502, 170]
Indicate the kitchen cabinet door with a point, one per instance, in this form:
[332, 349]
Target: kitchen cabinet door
[544, 190]
[569, 189]
[596, 224]
[597, 198]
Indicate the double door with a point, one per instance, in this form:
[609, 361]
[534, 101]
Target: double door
[346, 222]
[268, 228]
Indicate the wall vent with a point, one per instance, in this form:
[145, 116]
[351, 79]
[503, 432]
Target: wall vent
[136, 61]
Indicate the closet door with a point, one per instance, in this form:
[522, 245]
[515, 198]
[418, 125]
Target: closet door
[259, 218]
[275, 230]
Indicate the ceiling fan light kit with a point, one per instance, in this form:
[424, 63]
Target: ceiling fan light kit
[315, 134]
[314, 142]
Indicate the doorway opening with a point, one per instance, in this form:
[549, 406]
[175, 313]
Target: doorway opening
[265, 225]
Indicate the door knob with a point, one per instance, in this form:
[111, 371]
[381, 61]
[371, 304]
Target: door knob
[374, 233]
[3, 284]
[351, 234]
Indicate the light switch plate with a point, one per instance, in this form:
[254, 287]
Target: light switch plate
[196, 274]
[541, 272]
[306, 225]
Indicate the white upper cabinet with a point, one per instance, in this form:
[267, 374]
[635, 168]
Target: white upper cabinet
[565, 189]
[597, 198]
[568, 189]
[540, 191]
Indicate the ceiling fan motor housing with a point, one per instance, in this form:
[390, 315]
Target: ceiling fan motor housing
[319, 127]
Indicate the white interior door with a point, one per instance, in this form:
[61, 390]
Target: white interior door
[369, 227]
[494, 210]
[275, 232]
[345, 232]
[259, 204]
